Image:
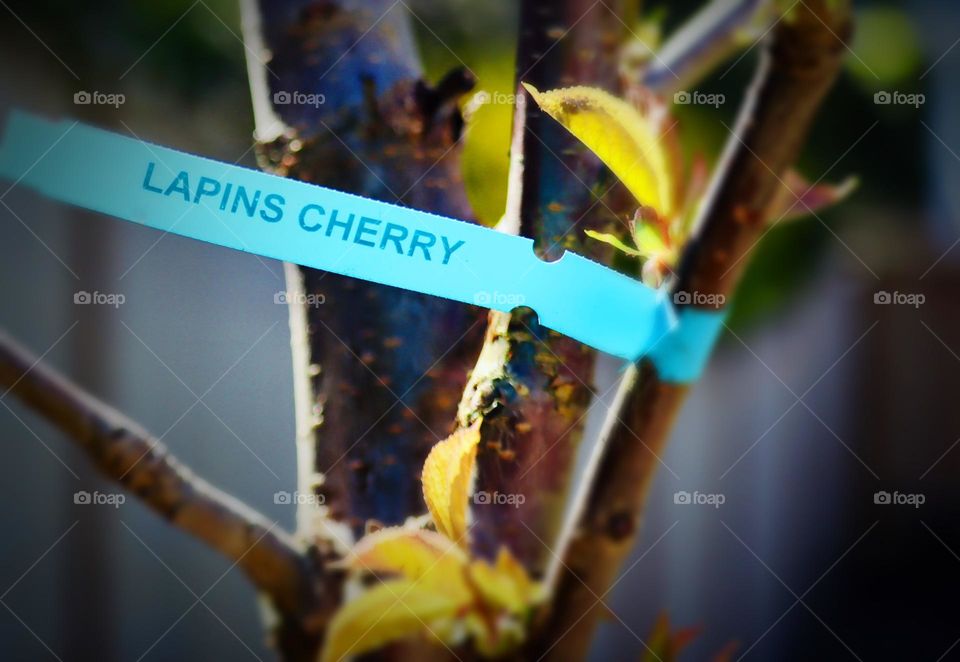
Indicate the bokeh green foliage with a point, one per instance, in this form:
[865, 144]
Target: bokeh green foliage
[885, 48]
[481, 38]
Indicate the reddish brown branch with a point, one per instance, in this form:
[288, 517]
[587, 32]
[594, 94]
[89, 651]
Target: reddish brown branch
[129, 455]
[801, 62]
[532, 386]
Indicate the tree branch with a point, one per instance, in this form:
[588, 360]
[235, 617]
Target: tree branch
[532, 386]
[377, 370]
[719, 29]
[800, 63]
[129, 455]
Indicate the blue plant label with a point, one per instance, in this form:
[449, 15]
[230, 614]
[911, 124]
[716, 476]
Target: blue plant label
[318, 227]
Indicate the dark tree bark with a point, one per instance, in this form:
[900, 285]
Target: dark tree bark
[378, 369]
[532, 386]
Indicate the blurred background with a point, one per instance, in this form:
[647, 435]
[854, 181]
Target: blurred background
[817, 400]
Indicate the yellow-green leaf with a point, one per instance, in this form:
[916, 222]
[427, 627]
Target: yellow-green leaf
[493, 640]
[447, 477]
[614, 241]
[395, 609]
[505, 585]
[440, 593]
[619, 135]
[413, 554]
[649, 241]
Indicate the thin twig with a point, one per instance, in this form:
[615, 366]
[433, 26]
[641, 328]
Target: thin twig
[714, 33]
[126, 453]
[800, 63]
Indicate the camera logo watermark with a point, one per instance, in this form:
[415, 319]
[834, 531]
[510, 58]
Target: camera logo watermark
[884, 298]
[489, 299]
[683, 498]
[499, 499]
[84, 498]
[884, 98]
[84, 98]
[298, 499]
[697, 98]
[84, 298]
[300, 298]
[297, 98]
[699, 299]
[883, 498]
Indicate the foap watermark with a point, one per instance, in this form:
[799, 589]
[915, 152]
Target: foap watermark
[699, 299]
[84, 298]
[895, 98]
[499, 499]
[300, 298]
[498, 98]
[884, 298]
[684, 498]
[298, 499]
[297, 98]
[697, 98]
[95, 98]
[84, 498]
[489, 299]
[884, 498]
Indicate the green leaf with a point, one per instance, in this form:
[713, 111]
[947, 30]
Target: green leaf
[440, 592]
[411, 553]
[393, 610]
[649, 242]
[447, 477]
[613, 241]
[505, 585]
[625, 140]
